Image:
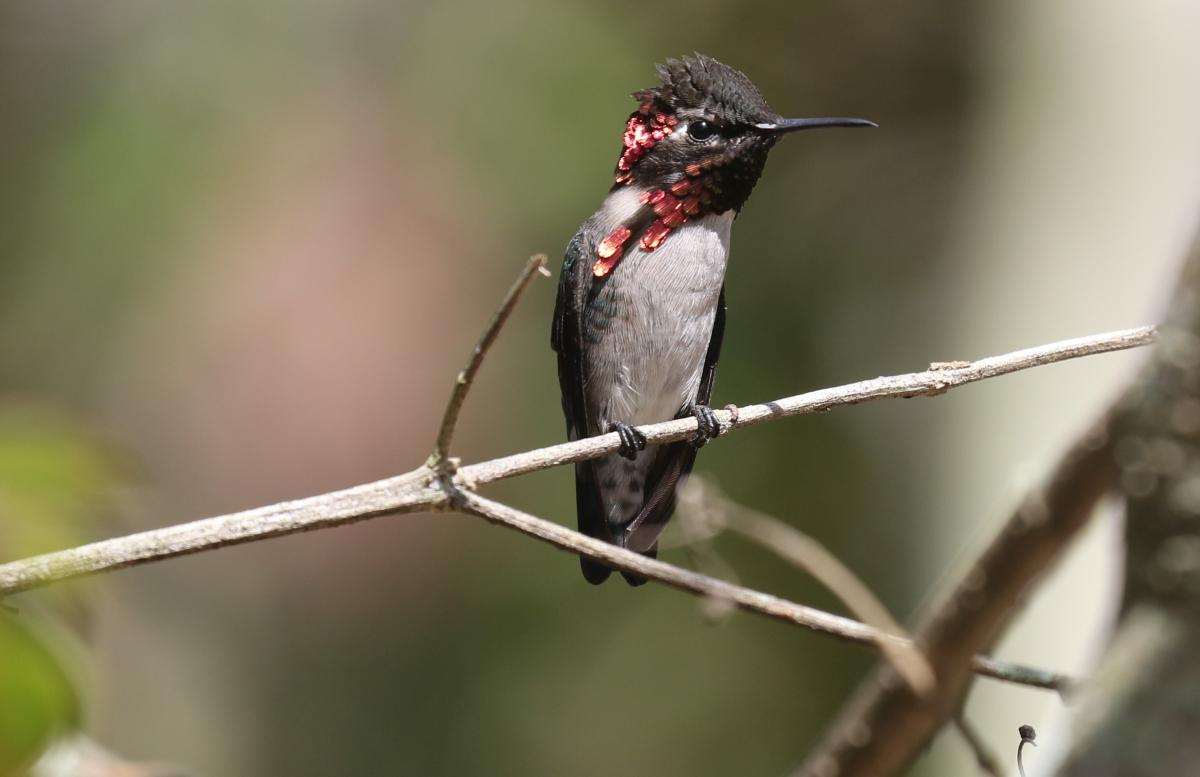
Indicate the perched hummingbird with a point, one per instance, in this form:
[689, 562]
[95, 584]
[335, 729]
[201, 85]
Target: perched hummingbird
[641, 300]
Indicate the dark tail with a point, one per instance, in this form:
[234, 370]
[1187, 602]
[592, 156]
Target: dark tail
[589, 505]
[671, 461]
[596, 573]
[590, 509]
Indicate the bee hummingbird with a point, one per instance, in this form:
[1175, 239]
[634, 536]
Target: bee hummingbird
[640, 311]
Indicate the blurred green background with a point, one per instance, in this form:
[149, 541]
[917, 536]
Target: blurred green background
[244, 248]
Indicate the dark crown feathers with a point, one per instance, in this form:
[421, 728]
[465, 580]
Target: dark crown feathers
[703, 83]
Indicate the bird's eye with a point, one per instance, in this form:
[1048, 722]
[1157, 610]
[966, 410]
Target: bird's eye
[700, 130]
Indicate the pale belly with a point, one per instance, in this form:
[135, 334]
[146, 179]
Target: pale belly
[659, 309]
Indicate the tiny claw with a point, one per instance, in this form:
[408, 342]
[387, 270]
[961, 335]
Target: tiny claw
[707, 425]
[632, 441]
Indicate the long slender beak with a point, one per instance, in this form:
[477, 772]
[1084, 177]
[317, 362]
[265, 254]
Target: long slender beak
[792, 125]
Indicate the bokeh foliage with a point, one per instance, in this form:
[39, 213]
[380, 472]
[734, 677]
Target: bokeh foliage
[56, 484]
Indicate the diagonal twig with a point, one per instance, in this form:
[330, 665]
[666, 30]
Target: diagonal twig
[464, 380]
[743, 598]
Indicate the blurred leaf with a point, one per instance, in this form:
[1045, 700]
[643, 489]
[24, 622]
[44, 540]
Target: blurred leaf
[54, 482]
[37, 698]
[79, 756]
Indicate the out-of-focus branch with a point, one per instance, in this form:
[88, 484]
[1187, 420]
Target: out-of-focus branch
[1139, 716]
[967, 619]
[707, 503]
[703, 503]
[984, 758]
[697, 537]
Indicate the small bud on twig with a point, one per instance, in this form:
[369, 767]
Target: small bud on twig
[1027, 736]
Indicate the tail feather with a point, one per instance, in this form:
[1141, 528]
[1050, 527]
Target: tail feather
[594, 572]
[648, 510]
[670, 463]
[589, 507]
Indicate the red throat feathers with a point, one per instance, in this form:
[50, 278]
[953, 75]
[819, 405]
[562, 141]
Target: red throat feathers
[672, 207]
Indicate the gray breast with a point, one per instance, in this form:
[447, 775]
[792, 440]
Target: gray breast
[659, 307]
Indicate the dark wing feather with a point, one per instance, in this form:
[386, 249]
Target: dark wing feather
[713, 354]
[566, 337]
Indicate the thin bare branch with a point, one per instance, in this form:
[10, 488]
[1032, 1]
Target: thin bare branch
[1028, 676]
[916, 384]
[462, 383]
[416, 491]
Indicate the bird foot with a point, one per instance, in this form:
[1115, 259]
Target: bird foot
[707, 425]
[632, 441]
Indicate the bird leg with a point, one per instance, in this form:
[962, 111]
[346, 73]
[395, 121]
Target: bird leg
[632, 441]
[707, 425]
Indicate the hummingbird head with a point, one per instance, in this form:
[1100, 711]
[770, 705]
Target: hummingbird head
[706, 122]
[696, 145]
